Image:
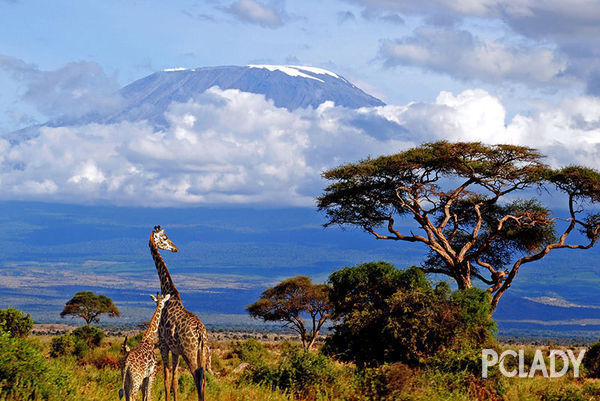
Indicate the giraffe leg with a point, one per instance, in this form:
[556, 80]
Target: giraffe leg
[149, 384]
[145, 389]
[134, 389]
[175, 385]
[164, 353]
[196, 364]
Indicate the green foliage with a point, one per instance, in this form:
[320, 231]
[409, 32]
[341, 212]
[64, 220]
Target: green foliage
[25, 373]
[89, 306]
[477, 327]
[77, 343]
[291, 301]
[14, 322]
[591, 360]
[62, 345]
[385, 382]
[298, 371]
[390, 315]
[250, 351]
[92, 336]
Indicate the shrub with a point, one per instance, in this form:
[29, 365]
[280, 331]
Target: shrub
[14, 322]
[24, 372]
[62, 345]
[386, 315]
[386, 382]
[68, 344]
[92, 336]
[299, 372]
[476, 325]
[591, 360]
[250, 351]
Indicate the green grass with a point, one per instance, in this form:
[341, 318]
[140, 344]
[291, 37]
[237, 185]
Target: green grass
[96, 377]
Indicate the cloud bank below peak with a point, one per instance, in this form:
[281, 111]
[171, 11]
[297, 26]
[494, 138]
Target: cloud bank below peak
[233, 147]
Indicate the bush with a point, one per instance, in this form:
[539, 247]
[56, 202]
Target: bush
[25, 373]
[68, 344]
[591, 360]
[92, 336]
[250, 351]
[386, 315]
[386, 382]
[14, 322]
[62, 345]
[300, 372]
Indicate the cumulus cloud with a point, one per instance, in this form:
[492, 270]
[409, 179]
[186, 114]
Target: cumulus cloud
[462, 55]
[73, 90]
[224, 147]
[232, 147]
[269, 16]
[567, 133]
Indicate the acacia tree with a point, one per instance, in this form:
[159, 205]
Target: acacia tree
[291, 300]
[89, 306]
[463, 198]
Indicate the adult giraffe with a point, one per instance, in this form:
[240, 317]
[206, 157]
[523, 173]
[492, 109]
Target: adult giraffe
[180, 332]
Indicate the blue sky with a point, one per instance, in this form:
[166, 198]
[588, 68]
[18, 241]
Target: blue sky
[520, 71]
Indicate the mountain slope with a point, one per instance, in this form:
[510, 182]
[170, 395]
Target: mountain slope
[289, 87]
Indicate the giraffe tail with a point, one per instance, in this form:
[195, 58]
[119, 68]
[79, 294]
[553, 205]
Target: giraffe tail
[200, 373]
[124, 374]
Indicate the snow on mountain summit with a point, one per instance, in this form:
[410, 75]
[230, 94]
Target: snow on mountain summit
[297, 71]
[287, 86]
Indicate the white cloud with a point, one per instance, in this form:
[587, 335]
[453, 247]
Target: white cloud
[232, 147]
[567, 133]
[466, 57]
[225, 147]
[269, 16]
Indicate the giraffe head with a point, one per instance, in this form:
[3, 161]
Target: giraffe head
[160, 300]
[162, 241]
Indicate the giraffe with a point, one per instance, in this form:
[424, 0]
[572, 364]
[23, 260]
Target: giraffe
[181, 333]
[138, 366]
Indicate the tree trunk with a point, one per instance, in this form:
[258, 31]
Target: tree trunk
[463, 280]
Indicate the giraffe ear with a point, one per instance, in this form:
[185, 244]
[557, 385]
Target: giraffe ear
[166, 298]
[153, 298]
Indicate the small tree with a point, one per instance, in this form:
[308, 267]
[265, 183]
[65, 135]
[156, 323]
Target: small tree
[464, 200]
[14, 322]
[292, 300]
[89, 306]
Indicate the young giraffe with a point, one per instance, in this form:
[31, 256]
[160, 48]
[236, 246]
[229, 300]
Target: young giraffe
[138, 366]
[181, 333]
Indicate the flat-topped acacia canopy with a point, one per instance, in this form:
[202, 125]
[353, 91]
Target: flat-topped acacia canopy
[458, 195]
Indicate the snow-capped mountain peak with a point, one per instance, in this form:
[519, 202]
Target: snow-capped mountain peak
[297, 71]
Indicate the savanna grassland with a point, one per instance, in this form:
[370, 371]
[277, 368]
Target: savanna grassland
[260, 367]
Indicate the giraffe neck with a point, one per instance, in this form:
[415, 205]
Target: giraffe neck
[151, 332]
[166, 283]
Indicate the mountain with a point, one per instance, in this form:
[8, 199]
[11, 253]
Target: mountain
[290, 87]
